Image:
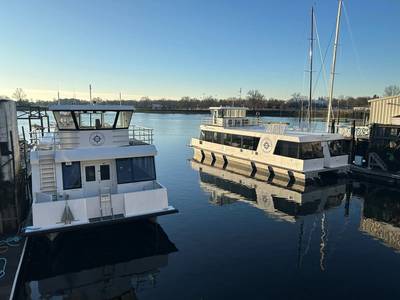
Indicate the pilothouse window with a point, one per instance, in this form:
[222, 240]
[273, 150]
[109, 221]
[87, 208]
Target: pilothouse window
[124, 119]
[95, 119]
[64, 119]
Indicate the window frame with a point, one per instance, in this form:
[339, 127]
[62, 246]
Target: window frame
[133, 169]
[75, 114]
[297, 149]
[109, 172]
[86, 173]
[63, 165]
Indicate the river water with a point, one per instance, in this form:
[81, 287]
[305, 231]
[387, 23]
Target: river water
[233, 238]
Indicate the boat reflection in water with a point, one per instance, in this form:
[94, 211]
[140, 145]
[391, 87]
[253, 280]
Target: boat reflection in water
[277, 201]
[104, 263]
[292, 204]
[381, 214]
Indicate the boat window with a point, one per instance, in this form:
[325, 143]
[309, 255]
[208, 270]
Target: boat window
[309, 150]
[124, 170]
[339, 147]
[83, 120]
[90, 173]
[236, 141]
[109, 119]
[288, 149]
[220, 137]
[250, 142]
[209, 136]
[71, 173]
[64, 120]
[124, 119]
[227, 139]
[104, 172]
[202, 135]
[143, 168]
[233, 140]
[135, 169]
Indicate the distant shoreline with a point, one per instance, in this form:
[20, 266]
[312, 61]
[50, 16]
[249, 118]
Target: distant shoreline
[263, 113]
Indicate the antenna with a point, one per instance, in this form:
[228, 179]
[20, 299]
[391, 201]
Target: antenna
[311, 67]
[328, 118]
[90, 93]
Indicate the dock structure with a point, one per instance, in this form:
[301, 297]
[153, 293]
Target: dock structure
[34, 114]
[9, 145]
[13, 197]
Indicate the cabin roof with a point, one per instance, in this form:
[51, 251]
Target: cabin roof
[96, 107]
[288, 135]
[228, 107]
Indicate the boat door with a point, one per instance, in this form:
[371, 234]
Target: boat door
[96, 177]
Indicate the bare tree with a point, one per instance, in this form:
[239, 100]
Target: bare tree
[255, 99]
[391, 90]
[19, 94]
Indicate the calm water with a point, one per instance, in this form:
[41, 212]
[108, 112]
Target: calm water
[234, 238]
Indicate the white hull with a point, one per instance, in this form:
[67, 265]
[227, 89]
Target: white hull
[257, 165]
[51, 216]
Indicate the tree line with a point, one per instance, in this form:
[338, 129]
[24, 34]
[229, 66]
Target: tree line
[254, 100]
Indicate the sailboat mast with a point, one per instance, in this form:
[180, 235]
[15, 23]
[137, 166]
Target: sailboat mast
[328, 118]
[311, 67]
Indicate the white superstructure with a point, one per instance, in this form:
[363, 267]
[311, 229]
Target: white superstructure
[233, 141]
[94, 167]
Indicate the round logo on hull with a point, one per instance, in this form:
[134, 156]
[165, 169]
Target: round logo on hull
[266, 145]
[97, 139]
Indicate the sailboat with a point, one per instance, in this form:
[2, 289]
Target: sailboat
[272, 151]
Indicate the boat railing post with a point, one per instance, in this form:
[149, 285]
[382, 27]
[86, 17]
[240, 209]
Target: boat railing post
[333, 126]
[353, 142]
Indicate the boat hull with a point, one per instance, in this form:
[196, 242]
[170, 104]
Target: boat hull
[34, 231]
[262, 170]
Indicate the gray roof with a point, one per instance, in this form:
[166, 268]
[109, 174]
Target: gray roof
[229, 107]
[100, 107]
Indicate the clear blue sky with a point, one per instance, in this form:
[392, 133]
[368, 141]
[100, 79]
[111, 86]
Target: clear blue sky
[190, 48]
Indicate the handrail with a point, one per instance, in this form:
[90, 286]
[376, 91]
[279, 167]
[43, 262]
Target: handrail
[232, 122]
[139, 135]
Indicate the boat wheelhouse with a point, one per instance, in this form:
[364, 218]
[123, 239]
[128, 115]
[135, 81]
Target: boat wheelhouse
[94, 168]
[231, 140]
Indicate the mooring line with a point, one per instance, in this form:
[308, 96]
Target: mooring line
[18, 270]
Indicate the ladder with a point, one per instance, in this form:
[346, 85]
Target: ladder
[106, 208]
[47, 169]
[374, 160]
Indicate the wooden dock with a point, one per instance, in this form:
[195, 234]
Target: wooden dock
[377, 176]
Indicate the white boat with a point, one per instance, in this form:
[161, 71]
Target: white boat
[94, 168]
[232, 140]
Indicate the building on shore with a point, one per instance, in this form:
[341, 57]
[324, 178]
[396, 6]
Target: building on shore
[385, 110]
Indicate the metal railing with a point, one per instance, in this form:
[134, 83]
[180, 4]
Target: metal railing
[43, 140]
[232, 122]
[139, 135]
[360, 131]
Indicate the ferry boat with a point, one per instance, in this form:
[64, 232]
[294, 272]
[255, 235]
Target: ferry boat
[231, 140]
[94, 168]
